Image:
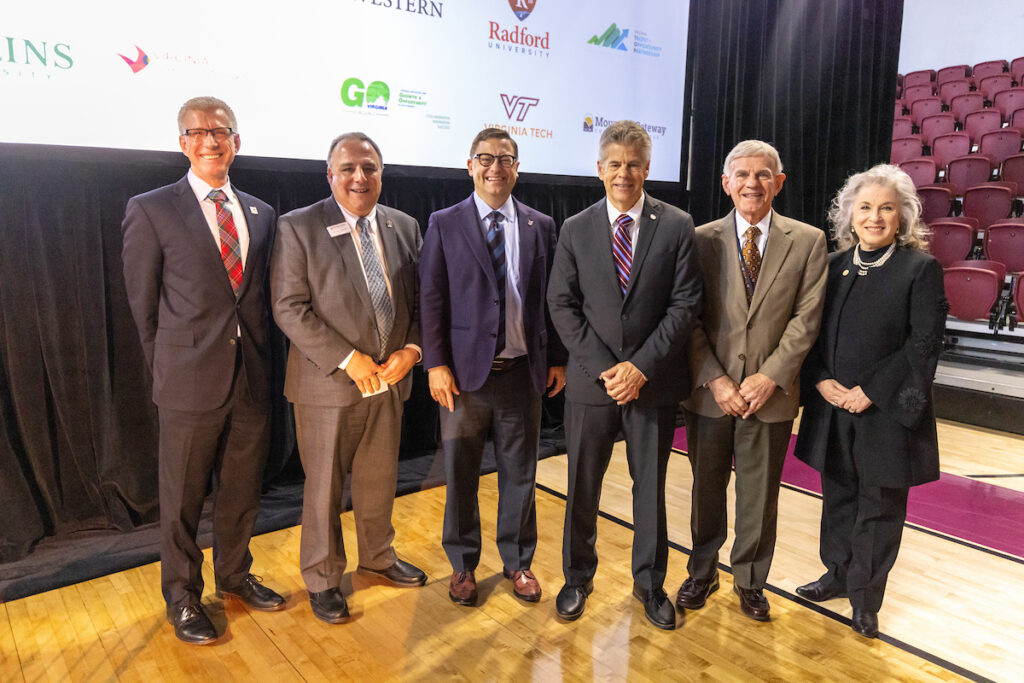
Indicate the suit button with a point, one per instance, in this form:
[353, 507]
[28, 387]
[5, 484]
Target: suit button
[496, 302]
[625, 316]
[494, 335]
[231, 341]
[750, 326]
[742, 357]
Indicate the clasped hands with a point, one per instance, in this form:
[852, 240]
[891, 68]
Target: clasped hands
[368, 375]
[745, 399]
[853, 400]
[623, 382]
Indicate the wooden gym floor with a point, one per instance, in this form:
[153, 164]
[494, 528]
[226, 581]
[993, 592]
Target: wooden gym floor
[952, 609]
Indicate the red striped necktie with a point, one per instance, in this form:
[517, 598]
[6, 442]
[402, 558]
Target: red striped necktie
[230, 252]
[622, 250]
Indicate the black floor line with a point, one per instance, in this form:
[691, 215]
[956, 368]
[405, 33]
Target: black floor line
[993, 476]
[895, 642]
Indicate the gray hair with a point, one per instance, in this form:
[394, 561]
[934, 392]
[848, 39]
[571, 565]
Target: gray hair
[753, 148]
[912, 233]
[206, 103]
[354, 135]
[628, 134]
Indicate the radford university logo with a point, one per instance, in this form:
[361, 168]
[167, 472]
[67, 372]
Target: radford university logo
[522, 8]
[517, 106]
[139, 63]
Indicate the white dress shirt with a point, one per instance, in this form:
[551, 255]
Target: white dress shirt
[515, 338]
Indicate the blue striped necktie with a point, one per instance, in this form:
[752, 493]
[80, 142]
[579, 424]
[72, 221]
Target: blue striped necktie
[496, 246]
[622, 250]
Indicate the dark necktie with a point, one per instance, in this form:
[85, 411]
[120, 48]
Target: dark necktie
[622, 250]
[383, 313]
[230, 253]
[752, 258]
[496, 246]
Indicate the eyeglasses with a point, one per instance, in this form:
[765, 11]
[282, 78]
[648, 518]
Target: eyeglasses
[219, 134]
[504, 160]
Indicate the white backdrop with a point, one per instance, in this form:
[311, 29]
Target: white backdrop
[938, 33]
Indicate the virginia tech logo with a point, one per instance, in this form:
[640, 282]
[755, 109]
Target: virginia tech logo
[375, 95]
[517, 106]
[139, 63]
[613, 37]
[522, 8]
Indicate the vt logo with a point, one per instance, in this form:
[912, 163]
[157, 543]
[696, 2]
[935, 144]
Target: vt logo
[613, 37]
[522, 8]
[140, 63]
[516, 106]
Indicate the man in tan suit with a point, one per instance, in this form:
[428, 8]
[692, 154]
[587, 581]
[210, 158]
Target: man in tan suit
[344, 290]
[764, 289]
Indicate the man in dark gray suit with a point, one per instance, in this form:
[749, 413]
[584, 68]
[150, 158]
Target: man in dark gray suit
[624, 296]
[344, 290]
[195, 259]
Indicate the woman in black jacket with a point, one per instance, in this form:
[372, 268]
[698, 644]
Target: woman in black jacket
[868, 423]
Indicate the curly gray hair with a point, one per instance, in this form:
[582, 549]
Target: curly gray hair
[912, 233]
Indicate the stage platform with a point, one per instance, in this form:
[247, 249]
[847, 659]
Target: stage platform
[952, 608]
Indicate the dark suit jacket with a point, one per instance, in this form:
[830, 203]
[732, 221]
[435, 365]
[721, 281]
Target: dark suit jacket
[458, 294]
[648, 326]
[896, 444]
[182, 302]
[772, 334]
[321, 301]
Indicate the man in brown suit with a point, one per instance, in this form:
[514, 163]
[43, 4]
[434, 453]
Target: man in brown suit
[344, 290]
[764, 289]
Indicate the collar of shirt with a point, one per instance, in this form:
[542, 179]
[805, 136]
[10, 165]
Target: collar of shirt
[353, 220]
[202, 189]
[634, 213]
[508, 209]
[763, 225]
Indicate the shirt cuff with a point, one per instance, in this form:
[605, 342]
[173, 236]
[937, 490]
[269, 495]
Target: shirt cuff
[418, 350]
[344, 363]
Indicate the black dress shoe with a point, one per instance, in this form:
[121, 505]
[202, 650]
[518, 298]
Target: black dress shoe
[865, 623]
[191, 625]
[753, 603]
[329, 606]
[401, 574]
[657, 607]
[254, 594]
[820, 591]
[572, 599]
[694, 593]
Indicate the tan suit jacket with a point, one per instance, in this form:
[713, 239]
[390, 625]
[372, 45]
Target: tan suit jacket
[774, 333]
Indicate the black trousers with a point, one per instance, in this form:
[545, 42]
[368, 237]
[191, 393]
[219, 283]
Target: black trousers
[590, 432]
[507, 407]
[230, 443]
[861, 525]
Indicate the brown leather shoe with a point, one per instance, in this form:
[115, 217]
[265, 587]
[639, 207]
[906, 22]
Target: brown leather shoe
[753, 603]
[524, 584]
[694, 593]
[401, 574]
[462, 588]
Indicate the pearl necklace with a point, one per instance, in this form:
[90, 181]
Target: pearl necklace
[862, 268]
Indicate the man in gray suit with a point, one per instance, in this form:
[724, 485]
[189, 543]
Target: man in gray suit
[764, 289]
[344, 290]
[195, 260]
[624, 296]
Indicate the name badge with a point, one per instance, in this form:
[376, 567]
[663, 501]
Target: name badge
[339, 229]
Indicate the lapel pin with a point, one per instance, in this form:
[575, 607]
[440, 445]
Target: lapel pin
[529, 222]
[252, 209]
[653, 217]
[846, 272]
[389, 223]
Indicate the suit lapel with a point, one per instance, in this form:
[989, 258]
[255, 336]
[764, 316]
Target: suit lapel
[467, 222]
[847, 276]
[727, 254]
[199, 233]
[601, 242]
[258, 230]
[349, 255]
[776, 250]
[648, 225]
[392, 257]
[527, 243]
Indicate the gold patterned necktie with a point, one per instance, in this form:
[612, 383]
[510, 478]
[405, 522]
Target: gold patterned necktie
[752, 258]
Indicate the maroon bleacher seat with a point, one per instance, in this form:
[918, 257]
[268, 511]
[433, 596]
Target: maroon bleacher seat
[951, 240]
[906, 148]
[1018, 299]
[1013, 170]
[1000, 144]
[935, 202]
[950, 89]
[982, 121]
[950, 73]
[915, 78]
[989, 68]
[902, 127]
[899, 108]
[1004, 242]
[988, 203]
[961, 105]
[921, 170]
[1009, 101]
[926, 106]
[969, 170]
[949, 146]
[936, 125]
[990, 86]
[1017, 70]
[971, 291]
[1016, 120]
[914, 93]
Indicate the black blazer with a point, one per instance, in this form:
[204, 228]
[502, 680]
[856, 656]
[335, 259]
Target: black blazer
[649, 326]
[895, 443]
[181, 298]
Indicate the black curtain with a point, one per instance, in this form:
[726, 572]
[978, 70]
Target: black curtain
[815, 78]
[77, 427]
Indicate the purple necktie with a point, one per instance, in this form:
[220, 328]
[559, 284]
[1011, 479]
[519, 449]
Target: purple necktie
[622, 250]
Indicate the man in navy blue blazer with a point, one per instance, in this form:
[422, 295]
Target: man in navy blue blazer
[490, 352]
